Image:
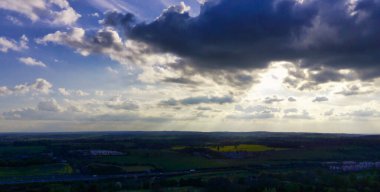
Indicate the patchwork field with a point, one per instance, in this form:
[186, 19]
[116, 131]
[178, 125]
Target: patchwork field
[164, 160]
[202, 161]
[53, 169]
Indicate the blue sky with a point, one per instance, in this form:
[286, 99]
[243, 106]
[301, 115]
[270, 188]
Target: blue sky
[216, 65]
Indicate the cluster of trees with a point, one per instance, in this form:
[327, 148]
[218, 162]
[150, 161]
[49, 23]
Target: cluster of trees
[27, 161]
[293, 181]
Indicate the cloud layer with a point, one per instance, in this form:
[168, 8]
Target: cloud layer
[56, 12]
[244, 34]
[10, 44]
[31, 62]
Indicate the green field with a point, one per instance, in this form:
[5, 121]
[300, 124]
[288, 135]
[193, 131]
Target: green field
[225, 173]
[137, 168]
[52, 169]
[178, 147]
[242, 147]
[165, 160]
[24, 150]
[212, 162]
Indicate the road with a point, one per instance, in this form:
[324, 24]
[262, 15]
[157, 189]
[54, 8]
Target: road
[67, 178]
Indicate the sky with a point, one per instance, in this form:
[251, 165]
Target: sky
[190, 65]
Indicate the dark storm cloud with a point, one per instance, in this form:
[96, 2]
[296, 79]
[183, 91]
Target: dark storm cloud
[229, 34]
[348, 36]
[311, 78]
[247, 34]
[114, 18]
[327, 75]
[106, 39]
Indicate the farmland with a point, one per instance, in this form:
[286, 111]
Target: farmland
[177, 161]
[242, 147]
[12, 150]
[41, 170]
[164, 161]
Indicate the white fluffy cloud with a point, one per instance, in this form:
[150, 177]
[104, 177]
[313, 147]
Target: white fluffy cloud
[81, 93]
[45, 110]
[40, 86]
[67, 92]
[180, 8]
[63, 92]
[120, 103]
[107, 41]
[50, 105]
[31, 62]
[295, 115]
[10, 44]
[57, 12]
[5, 91]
